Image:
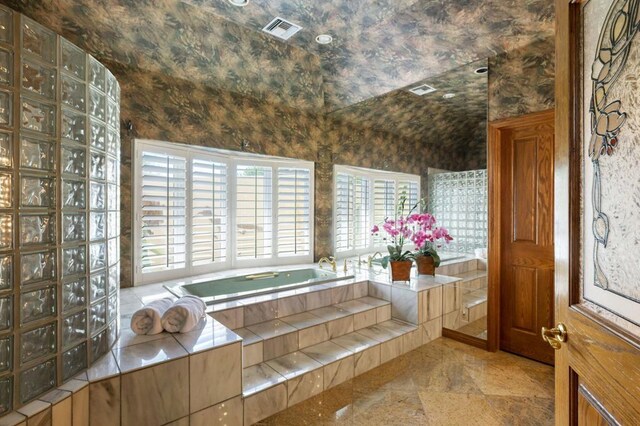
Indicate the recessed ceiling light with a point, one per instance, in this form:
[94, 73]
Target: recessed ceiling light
[481, 70]
[449, 95]
[324, 39]
[240, 3]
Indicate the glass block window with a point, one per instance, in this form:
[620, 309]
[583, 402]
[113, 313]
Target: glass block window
[54, 208]
[459, 201]
[200, 210]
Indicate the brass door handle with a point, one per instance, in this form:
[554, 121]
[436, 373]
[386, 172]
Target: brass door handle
[555, 336]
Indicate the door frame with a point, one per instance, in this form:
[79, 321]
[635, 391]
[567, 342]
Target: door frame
[567, 213]
[495, 181]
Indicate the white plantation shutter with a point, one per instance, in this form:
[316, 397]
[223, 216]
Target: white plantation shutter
[294, 211]
[411, 190]
[353, 212]
[254, 215]
[201, 210]
[363, 198]
[344, 212]
[163, 211]
[362, 210]
[208, 212]
[384, 204]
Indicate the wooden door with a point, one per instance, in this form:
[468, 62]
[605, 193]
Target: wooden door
[526, 263]
[597, 275]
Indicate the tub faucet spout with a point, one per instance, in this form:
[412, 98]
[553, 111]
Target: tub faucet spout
[331, 260]
[371, 258]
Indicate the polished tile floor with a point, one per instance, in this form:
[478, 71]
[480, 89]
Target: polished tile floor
[441, 383]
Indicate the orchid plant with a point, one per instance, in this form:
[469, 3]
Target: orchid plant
[399, 231]
[427, 236]
[419, 228]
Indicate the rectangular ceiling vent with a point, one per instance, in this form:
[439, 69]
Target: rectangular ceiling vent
[281, 28]
[422, 90]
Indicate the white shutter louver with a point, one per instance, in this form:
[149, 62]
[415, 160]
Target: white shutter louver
[362, 209]
[410, 189]
[344, 212]
[294, 211]
[384, 204]
[163, 212]
[209, 212]
[254, 214]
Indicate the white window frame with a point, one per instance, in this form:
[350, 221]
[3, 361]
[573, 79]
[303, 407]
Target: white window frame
[371, 175]
[232, 159]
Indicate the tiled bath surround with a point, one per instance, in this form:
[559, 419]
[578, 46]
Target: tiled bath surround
[459, 200]
[59, 210]
[245, 371]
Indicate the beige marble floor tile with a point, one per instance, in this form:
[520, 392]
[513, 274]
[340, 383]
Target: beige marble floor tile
[304, 386]
[264, 404]
[374, 301]
[156, 395]
[227, 413]
[379, 291]
[378, 333]
[447, 408]
[215, 376]
[391, 393]
[506, 380]
[212, 334]
[404, 304]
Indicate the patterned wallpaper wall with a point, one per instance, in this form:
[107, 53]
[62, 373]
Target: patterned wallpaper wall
[192, 76]
[161, 107]
[522, 81]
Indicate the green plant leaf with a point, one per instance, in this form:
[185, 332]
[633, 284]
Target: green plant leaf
[384, 262]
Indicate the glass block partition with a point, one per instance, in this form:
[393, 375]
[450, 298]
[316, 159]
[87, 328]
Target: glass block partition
[459, 201]
[59, 209]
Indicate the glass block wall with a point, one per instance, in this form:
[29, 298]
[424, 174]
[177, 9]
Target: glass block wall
[459, 201]
[59, 209]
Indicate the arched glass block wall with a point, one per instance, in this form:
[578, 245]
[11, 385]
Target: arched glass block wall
[59, 209]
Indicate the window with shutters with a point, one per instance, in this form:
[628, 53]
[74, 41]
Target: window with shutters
[364, 197]
[200, 210]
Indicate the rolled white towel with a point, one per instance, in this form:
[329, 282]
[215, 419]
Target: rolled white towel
[148, 320]
[184, 315]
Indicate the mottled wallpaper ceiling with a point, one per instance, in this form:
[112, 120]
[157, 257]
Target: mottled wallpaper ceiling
[379, 45]
[432, 118]
[382, 45]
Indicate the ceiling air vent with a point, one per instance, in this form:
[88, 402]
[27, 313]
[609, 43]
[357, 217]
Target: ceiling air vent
[422, 90]
[281, 28]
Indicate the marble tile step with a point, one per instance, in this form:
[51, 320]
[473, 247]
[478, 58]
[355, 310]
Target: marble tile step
[299, 375]
[270, 339]
[471, 275]
[474, 298]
